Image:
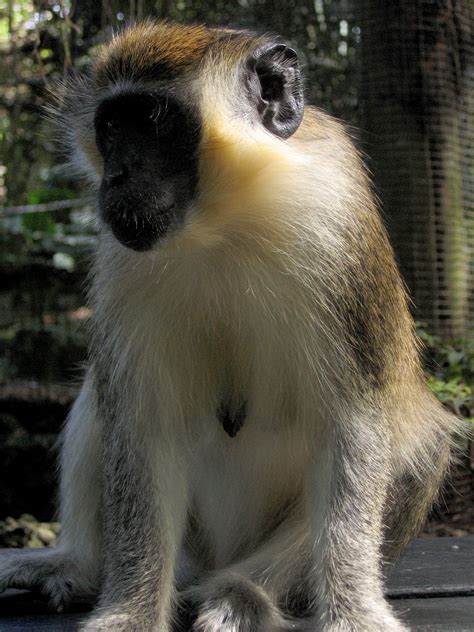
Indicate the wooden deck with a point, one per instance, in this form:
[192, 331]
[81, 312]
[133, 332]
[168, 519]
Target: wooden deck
[431, 587]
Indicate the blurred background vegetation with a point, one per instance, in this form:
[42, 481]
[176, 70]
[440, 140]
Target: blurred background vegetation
[399, 73]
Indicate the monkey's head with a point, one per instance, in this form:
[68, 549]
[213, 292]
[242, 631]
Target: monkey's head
[153, 124]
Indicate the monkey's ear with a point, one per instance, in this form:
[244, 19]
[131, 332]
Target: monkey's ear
[276, 88]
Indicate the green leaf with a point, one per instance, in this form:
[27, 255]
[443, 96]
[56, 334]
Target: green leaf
[39, 222]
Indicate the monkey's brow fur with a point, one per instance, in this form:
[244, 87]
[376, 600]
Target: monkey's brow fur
[166, 50]
[280, 297]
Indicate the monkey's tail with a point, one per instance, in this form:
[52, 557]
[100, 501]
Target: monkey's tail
[417, 489]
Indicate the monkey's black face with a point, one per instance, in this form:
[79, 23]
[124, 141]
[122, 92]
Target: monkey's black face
[149, 146]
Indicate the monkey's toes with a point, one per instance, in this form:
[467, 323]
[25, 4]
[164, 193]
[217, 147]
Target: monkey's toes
[107, 622]
[55, 576]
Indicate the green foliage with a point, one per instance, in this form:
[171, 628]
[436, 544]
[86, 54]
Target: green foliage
[50, 194]
[46, 238]
[38, 222]
[450, 368]
[36, 226]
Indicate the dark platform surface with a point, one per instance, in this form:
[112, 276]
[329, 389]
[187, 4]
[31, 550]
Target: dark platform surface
[431, 587]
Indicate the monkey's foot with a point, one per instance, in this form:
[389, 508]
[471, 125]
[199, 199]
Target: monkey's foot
[49, 571]
[107, 622]
[232, 603]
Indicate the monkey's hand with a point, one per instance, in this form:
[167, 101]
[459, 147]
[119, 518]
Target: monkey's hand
[52, 572]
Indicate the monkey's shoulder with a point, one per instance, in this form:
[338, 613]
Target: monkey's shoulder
[318, 124]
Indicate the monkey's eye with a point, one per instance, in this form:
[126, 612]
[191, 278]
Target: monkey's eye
[107, 129]
[112, 128]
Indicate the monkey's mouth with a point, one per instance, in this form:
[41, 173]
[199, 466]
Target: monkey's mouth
[136, 223]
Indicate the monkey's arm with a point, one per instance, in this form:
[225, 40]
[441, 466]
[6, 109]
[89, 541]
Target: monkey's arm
[70, 569]
[351, 471]
[144, 511]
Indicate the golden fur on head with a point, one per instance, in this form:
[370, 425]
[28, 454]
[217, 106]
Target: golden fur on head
[164, 50]
[151, 51]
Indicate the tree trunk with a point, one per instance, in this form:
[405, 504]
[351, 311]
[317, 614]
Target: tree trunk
[417, 98]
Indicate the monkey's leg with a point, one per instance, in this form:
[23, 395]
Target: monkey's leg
[346, 493]
[71, 568]
[144, 510]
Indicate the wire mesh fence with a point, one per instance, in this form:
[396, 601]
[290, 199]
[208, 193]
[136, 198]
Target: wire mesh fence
[417, 97]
